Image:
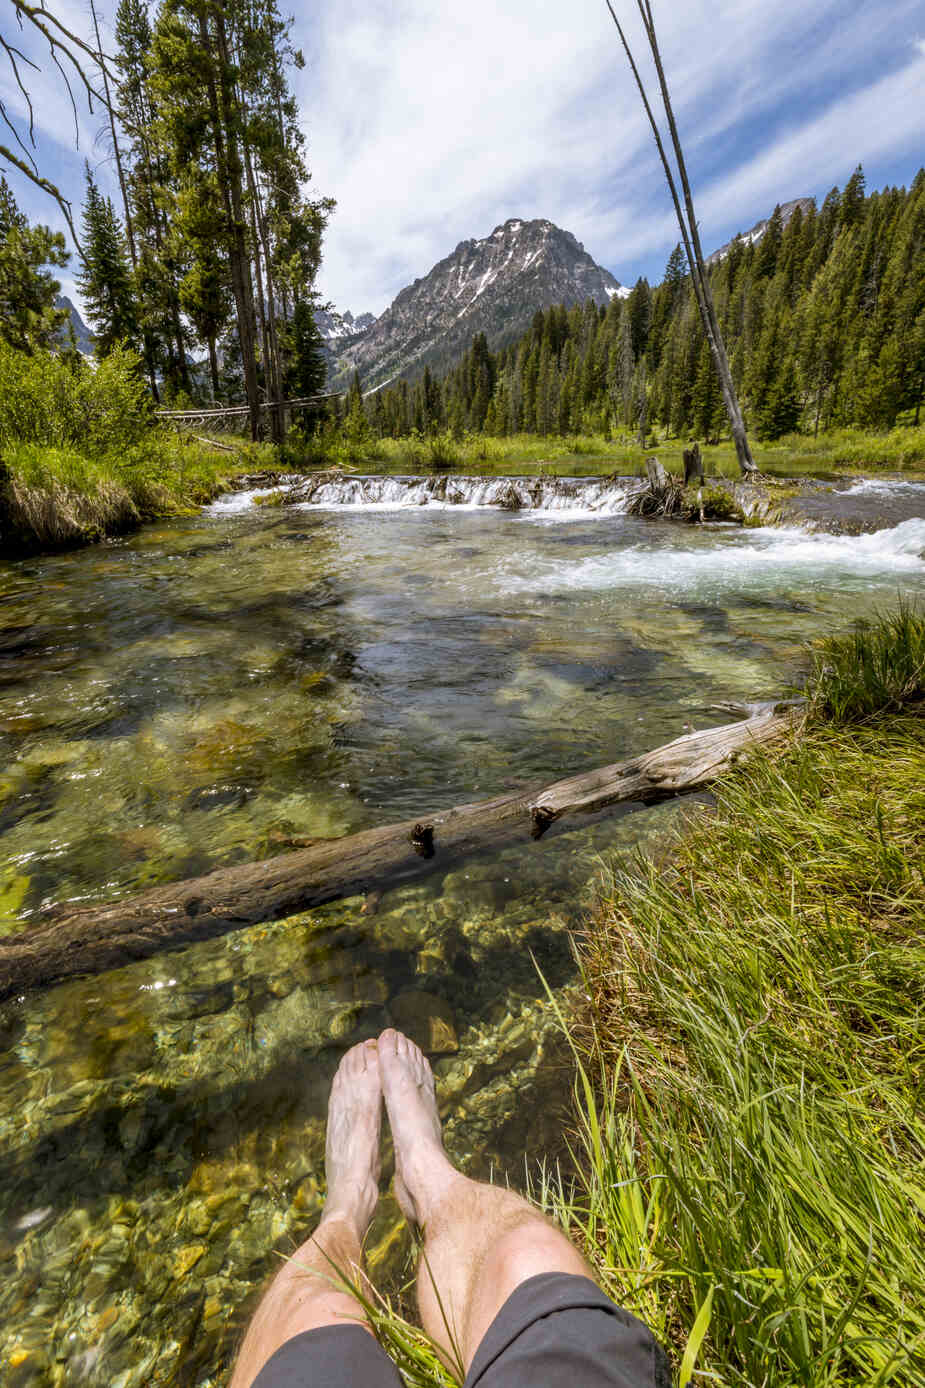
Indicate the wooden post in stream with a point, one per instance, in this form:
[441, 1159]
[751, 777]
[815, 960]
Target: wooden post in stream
[92, 939]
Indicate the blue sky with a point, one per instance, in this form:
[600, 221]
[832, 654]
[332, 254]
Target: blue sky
[431, 123]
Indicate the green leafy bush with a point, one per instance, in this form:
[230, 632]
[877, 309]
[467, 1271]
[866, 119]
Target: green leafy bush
[99, 409]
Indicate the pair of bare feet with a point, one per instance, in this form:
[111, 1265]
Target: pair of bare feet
[395, 1070]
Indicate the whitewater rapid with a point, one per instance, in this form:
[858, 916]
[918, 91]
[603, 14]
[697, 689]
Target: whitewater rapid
[561, 497]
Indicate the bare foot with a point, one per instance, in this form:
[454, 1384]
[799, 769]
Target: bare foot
[351, 1156]
[422, 1168]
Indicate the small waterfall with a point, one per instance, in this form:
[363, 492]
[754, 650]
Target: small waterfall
[549, 495]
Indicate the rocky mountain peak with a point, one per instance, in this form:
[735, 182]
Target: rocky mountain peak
[493, 284]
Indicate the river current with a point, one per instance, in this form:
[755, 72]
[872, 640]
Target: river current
[219, 688]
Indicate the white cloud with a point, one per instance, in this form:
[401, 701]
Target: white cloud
[862, 128]
[429, 125]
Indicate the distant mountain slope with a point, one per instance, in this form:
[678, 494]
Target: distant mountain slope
[82, 333]
[493, 286]
[787, 210]
[334, 326]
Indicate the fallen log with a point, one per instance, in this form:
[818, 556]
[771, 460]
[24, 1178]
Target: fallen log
[94, 938]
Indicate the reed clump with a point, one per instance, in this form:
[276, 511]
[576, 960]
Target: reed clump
[750, 1136]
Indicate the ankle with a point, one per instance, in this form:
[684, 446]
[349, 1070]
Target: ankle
[436, 1187]
[343, 1224]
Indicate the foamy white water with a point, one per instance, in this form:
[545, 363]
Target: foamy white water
[233, 503]
[560, 498]
[755, 558]
[885, 486]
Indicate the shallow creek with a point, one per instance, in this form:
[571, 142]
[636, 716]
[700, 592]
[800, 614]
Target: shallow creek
[209, 691]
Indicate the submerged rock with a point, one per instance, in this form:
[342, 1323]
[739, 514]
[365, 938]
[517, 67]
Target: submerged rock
[427, 1019]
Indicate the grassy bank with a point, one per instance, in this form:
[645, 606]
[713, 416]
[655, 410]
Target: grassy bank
[843, 450]
[81, 456]
[749, 1134]
[751, 1131]
[56, 498]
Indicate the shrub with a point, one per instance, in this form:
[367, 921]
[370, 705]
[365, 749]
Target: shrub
[98, 409]
[878, 668]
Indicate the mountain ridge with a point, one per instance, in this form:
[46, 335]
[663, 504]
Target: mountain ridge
[492, 284]
[755, 233]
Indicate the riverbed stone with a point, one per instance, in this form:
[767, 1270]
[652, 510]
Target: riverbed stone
[427, 1019]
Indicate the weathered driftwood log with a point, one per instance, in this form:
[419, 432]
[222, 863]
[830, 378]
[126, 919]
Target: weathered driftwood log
[95, 938]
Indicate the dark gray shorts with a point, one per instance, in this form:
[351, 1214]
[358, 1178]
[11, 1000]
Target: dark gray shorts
[554, 1331]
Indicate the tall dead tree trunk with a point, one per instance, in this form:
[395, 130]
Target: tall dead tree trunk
[689, 234]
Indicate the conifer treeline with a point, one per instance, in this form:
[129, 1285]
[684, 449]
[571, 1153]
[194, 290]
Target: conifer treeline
[824, 321]
[217, 246]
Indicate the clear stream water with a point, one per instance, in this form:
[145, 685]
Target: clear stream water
[213, 689]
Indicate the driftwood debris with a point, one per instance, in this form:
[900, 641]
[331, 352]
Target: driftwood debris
[92, 939]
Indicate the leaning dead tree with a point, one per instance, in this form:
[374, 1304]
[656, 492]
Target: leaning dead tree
[69, 53]
[687, 221]
[92, 939]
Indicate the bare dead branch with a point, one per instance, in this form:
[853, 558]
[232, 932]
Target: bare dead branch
[16, 136]
[46, 186]
[14, 53]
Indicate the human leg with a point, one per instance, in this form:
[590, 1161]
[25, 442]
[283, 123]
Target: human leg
[480, 1242]
[305, 1295]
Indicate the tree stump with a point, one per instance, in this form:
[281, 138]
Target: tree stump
[659, 481]
[693, 467]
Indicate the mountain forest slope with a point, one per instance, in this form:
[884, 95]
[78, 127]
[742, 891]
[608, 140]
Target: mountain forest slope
[824, 320]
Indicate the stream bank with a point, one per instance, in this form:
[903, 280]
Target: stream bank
[756, 1002]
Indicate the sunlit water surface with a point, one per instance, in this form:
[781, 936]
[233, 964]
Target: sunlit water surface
[212, 690]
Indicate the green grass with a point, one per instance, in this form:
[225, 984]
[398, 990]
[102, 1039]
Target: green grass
[58, 497]
[81, 456]
[747, 1157]
[844, 450]
[750, 1141]
[879, 668]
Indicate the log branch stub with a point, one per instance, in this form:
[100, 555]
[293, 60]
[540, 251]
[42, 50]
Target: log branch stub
[422, 840]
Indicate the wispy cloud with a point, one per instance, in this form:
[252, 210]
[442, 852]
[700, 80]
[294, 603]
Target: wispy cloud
[429, 127]
[430, 123]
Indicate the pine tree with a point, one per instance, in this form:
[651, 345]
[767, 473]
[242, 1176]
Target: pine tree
[769, 246]
[852, 199]
[28, 317]
[105, 277]
[307, 370]
[159, 265]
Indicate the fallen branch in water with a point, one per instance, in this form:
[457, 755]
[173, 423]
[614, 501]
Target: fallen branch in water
[94, 938]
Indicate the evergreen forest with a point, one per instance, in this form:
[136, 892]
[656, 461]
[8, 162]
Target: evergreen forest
[823, 318]
[215, 248]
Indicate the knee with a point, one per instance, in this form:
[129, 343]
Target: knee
[530, 1247]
